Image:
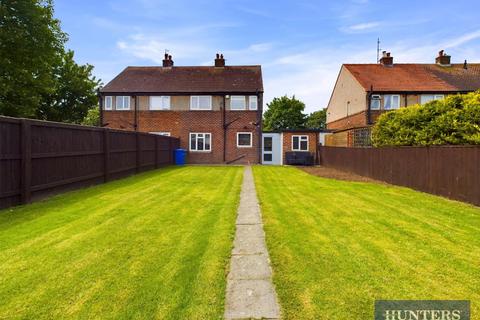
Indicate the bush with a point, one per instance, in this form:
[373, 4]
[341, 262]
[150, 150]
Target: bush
[453, 120]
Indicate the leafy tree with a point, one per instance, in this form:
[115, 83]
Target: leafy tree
[74, 94]
[92, 118]
[453, 120]
[38, 79]
[284, 113]
[317, 120]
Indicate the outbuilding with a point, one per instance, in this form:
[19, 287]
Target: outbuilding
[292, 146]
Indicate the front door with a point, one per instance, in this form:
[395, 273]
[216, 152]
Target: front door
[271, 148]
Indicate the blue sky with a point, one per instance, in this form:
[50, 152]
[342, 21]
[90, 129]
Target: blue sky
[300, 44]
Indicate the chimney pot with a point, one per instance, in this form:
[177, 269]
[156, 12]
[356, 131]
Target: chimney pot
[443, 59]
[219, 61]
[387, 59]
[167, 62]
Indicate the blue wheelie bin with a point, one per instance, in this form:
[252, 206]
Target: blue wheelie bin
[180, 155]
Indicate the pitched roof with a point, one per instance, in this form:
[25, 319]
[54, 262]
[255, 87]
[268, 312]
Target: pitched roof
[416, 77]
[198, 79]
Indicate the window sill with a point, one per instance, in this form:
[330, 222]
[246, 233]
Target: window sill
[244, 147]
[195, 151]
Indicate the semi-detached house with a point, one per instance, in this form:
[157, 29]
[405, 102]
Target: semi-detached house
[364, 91]
[216, 111]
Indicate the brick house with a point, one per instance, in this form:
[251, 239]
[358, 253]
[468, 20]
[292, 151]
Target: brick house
[216, 111]
[364, 91]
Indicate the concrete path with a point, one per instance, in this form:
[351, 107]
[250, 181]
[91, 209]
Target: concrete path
[250, 292]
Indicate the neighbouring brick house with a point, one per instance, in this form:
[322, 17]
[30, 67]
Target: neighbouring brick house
[216, 111]
[364, 91]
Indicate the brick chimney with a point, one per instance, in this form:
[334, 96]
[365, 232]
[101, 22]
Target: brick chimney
[443, 59]
[386, 59]
[219, 61]
[167, 61]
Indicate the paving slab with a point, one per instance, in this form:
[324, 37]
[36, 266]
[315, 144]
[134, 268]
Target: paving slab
[251, 299]
[250, 293]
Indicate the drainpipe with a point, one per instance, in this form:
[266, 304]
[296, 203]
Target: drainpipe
[135, 125]
[260, 124]
[224, 126]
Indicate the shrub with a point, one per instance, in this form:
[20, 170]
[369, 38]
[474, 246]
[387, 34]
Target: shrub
[453, 120]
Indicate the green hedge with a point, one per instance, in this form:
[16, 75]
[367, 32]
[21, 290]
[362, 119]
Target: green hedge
[453, 120]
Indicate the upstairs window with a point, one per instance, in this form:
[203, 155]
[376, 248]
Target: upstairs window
[253, 102]
[122, 103]
[200, 141]
[201, 103]
[375, 102]
[391, 101]
[237, 103]
[160, 103]
[424, 98]
[299, 143]
[108, 103]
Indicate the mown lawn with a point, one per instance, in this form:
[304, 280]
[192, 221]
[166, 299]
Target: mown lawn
[156, 245]
[336, 246]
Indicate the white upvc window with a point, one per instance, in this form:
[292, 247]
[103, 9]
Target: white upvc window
[252, 102]
[391, 101]
[108, 103]
[244, 139]
[237, 103]
[201, 142]
[201, 103]
[375, 102]
[122, 103]
[299, 143]
[159, 102]
[424, 98]
[161, 133]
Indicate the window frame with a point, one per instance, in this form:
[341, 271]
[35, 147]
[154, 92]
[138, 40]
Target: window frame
[204, 134]
[110, 98]
[385, 101]
[433, 97]
[150, 104]
[238, 98]
[250, 100]
[123, 108]
[244, 146]
[377, 98]
[300, 136]
[192, 107]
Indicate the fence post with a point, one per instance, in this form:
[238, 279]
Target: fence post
[137, 153]
[156, 152]
[26, 179]
[106, 154]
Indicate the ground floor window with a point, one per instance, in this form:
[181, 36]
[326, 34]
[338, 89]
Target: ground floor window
[299, 143]
[200, 141]
[244, 139]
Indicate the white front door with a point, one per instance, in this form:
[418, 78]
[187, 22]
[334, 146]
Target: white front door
[272, 148]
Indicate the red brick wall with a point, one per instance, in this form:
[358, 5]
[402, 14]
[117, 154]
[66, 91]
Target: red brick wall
[181, 123]
[354, 120]
[287, 142]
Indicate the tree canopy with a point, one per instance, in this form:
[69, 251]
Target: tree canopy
[288, 113]
[39, 78]
[317, 120]
[453, 120]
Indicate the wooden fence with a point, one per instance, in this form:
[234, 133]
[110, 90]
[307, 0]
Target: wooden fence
[450, 171]
[40, 158]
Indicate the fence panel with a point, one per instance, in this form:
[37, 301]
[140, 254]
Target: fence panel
[40, 158]
[450, 171]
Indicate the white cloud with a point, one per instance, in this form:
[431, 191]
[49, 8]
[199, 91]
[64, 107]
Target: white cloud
[462, 39]
[361, 27]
